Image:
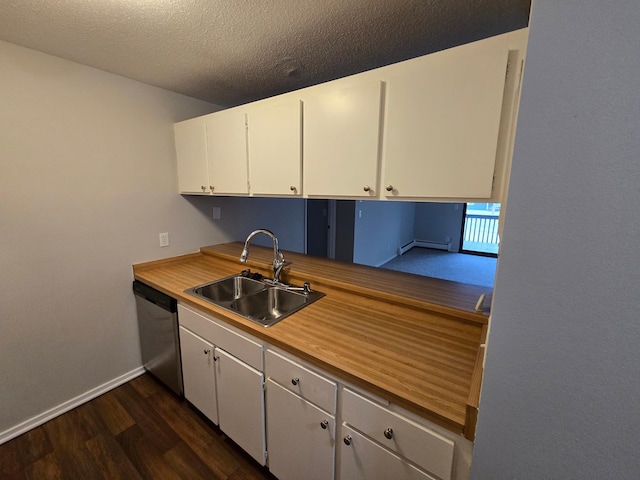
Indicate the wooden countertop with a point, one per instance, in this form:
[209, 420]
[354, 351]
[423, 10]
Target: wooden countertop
[412, 340]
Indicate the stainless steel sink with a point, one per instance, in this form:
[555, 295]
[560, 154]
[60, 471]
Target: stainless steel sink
[255, 299]
[228, 289]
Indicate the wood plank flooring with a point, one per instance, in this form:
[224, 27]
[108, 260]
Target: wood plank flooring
[139, 430]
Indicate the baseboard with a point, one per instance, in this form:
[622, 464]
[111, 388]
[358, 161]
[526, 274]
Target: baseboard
[423, 244]
[44, 417]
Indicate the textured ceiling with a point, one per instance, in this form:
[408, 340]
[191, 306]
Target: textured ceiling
[230, 52]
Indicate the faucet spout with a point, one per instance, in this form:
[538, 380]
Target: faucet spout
[278, 257]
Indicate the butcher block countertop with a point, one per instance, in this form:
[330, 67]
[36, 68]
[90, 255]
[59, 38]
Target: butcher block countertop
[414, 341]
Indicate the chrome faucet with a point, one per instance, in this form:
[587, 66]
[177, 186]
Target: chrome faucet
[278, 258]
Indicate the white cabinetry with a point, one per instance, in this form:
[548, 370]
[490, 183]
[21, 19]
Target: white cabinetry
[301, 420]
[341, 138]
[442, 120]
[198, 373]
[404, 444]
[227, 151]
[191, 151]
[231, 394]
[241, 403]
[275, 146]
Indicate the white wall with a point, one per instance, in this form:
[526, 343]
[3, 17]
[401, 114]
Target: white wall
[562, 383]
[87, 181]
[239, 216]
[434, 222]
[380, 228]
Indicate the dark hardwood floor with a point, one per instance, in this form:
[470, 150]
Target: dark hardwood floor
[139, 430]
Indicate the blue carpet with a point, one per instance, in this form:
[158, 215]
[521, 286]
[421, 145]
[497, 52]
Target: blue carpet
[459, 267]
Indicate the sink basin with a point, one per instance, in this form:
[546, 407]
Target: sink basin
[228, 289]
[270, 305]
[255, 299]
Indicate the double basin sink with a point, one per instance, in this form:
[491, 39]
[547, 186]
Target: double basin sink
[255, 298]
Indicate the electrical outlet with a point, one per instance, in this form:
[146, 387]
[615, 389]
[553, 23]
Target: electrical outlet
[164, 239]
[217, 212]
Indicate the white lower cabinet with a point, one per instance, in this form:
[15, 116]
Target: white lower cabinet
[221, 369]
[402, 441]
[241, 403]
[300, 437]
[364, 459]
[198, 373]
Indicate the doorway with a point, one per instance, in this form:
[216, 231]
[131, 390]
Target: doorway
[480, 229]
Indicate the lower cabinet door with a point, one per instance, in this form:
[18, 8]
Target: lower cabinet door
[366, 460]
[198, 373]
[301, 437]
[241, 404]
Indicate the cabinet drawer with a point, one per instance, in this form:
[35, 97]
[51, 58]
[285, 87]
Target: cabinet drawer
[300, 380]
[363, 459]
[236, 344]
[415, 442]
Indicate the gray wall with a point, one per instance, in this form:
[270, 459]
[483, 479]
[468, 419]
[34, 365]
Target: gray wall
[562, 379]
[239, 216]
[380, 228]
[87, 182]
[434, 222]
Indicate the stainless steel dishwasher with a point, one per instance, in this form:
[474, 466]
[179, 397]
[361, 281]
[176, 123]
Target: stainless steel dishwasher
[159, 342]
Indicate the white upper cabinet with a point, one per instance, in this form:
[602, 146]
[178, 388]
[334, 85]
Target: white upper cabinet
[227, 152]
[191, 151]
[442, 120]
[341, 138]
[275, 146]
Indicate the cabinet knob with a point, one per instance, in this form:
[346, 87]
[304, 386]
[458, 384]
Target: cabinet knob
[211, 187]
[203, 187]
[366, 188]
[389, 188]
[206, 352]
[324, 424]
[216, 358]
[388, 433]
[347, 440]
[293, 188]
[295, 381]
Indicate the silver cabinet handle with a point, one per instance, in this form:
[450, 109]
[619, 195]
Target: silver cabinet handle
[295, 381]
[324, 424]
[347, 440]
[388, 433]
[389, 188]
[366, 188]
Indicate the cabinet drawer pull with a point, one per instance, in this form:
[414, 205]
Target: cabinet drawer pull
[347, 440]
[388, 433]
[324, 424]
[295, 381]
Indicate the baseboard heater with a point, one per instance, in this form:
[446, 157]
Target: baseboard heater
[424, 244]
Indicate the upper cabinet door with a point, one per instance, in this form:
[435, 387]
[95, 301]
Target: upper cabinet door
[227, 152]
[275, 147]
[341, 139]
[442, 120]
[191, 152]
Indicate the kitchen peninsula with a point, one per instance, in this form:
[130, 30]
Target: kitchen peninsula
[413, 342]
